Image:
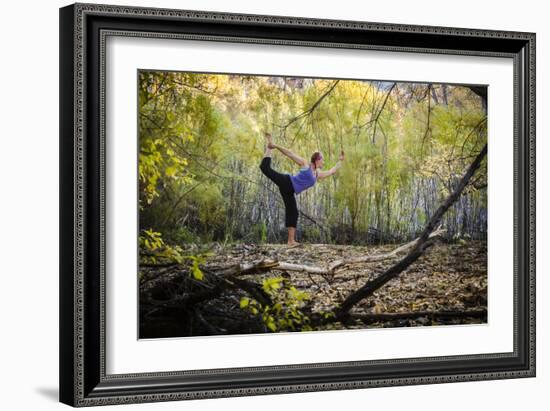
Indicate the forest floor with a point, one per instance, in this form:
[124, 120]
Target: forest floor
[449, 277]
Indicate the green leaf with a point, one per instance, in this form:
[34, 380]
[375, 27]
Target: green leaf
[271, 324]
[171, 171]
[271, 284]
[197, 273]
[244, 302]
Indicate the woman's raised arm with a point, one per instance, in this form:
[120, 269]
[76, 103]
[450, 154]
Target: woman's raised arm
[295, 157]
[333, 170]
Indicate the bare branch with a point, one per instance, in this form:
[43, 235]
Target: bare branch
[311, 109]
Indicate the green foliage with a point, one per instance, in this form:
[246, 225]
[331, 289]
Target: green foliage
[285, 314]
[180, 235]
[150, 240]
[154, 250]
[195, 270]
[158, 162]
[260, 231]
[201, 140]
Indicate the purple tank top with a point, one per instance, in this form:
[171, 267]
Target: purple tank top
[303, 180]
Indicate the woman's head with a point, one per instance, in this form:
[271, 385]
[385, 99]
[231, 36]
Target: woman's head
[317, 159]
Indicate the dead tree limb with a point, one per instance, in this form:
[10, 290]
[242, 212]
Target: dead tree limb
[268, 265]
[422, 244]
[255, 290]
[374, 118]
[210, 329]
[311, 109]
[214, 285]
[377, 118]
[379, 257]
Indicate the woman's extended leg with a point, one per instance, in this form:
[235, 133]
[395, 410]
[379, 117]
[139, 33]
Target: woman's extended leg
[265, 166]
[275, 176]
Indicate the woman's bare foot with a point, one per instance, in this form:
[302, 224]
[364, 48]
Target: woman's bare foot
[293, 244]
[270, 144]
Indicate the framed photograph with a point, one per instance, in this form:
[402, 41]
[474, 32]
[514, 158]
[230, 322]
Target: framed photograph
[263, 204]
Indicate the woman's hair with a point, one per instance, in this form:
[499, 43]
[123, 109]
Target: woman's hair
[315, 156]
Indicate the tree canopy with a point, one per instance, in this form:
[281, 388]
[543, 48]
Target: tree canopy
[406, 144]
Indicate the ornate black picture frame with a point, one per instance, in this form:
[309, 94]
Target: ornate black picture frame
[83, 30]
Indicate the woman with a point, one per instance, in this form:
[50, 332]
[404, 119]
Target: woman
[289, 185]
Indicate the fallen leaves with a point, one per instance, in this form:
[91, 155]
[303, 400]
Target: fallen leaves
[447, 278]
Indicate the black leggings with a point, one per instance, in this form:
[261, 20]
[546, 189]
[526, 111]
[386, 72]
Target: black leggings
[287, 191]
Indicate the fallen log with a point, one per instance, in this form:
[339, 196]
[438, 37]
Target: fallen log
[268, 264]
[379, 257]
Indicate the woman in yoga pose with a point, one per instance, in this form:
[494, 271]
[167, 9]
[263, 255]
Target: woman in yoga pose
[289, 185]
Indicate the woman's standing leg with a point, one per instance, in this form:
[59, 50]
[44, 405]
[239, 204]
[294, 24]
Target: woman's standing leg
[287, 192]
[291, 213]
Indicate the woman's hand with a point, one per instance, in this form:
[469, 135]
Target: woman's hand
[341, 155]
